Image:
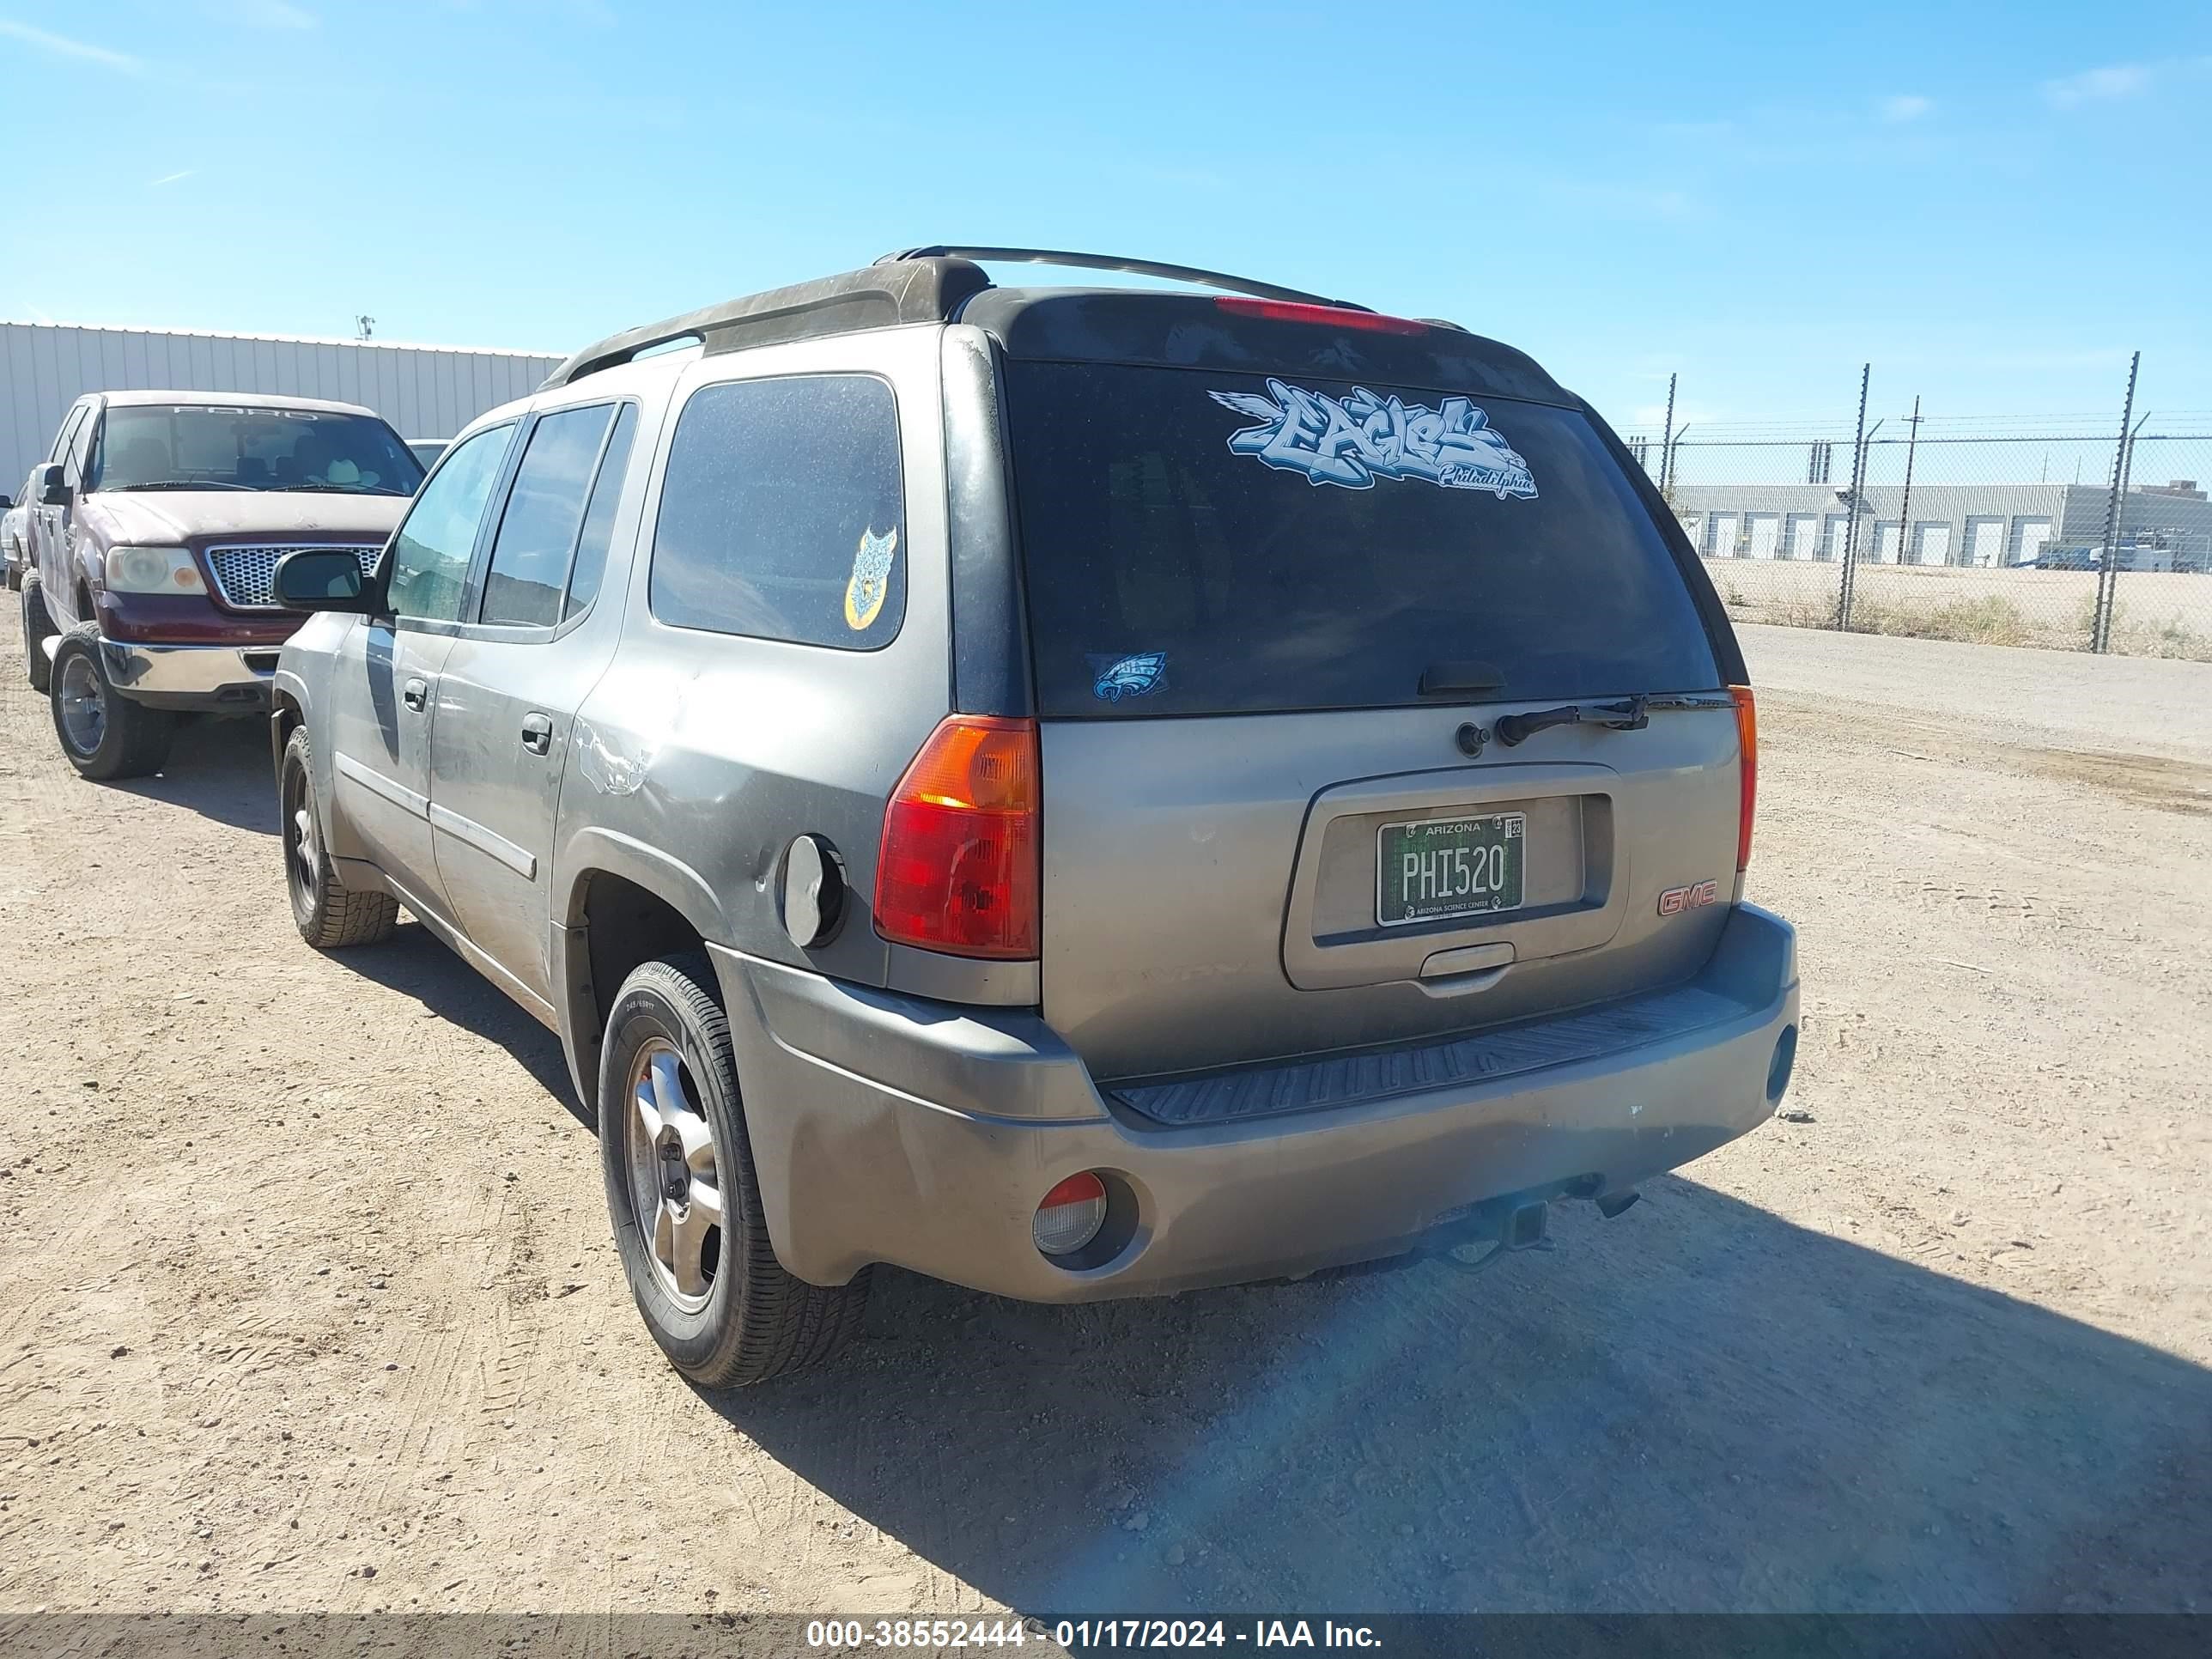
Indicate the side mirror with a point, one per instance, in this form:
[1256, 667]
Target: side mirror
[6, 503]
[52, 492]
[323, 579]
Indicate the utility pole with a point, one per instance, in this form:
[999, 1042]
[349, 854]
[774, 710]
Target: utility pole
[1904, 507]
[363, 326]
[1667, 446]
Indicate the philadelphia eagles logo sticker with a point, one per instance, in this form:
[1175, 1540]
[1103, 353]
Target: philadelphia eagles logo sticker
[1137, 675]
[872, 579]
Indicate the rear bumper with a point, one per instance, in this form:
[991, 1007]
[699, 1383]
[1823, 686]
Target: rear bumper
[224, 679]
[887, 1129]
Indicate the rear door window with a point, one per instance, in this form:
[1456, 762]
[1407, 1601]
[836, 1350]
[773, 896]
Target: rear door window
[544, 512]
[1201, 543]
[781, 514]
[591, 562]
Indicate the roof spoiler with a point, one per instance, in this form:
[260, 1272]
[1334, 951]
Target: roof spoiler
[921, 291]
[915, 285]
[1193, 274]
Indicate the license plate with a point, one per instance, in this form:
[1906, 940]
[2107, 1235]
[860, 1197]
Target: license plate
[1431, 868]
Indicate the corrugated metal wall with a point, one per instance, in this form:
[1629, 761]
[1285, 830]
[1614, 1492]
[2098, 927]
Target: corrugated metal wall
[424, 390]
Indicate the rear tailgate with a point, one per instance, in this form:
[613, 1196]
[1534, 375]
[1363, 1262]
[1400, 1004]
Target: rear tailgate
[1261, 837]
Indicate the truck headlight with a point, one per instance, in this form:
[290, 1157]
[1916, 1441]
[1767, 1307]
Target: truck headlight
[153, 570]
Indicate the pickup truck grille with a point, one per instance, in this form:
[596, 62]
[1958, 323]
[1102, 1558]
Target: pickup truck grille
[243, 573]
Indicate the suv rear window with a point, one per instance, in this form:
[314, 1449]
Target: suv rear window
[1201, 543]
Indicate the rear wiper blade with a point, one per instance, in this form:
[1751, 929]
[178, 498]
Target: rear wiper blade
[1627, 715]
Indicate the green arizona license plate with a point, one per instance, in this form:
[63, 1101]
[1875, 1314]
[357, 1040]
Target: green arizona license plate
[1431, 868]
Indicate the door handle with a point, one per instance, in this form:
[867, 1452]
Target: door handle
[537, 733]
[414, 694]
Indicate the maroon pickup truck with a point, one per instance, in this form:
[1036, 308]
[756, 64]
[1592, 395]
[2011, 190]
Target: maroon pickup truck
[153, 527]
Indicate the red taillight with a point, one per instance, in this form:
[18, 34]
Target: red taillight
[1289, 311]
[1747, 736]
[958, 869]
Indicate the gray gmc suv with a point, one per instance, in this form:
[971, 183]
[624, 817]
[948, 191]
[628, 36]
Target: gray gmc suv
[1079, 792]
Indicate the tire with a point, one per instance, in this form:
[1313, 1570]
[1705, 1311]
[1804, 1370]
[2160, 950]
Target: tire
[330, 915]
[38, 627]
[106, 735]
[735, 1317]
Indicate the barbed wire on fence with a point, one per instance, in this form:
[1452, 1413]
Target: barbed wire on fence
[2073, 532]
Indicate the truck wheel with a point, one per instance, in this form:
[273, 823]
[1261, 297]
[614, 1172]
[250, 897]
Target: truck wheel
[106, 735]
[684, 1199]
[38, 627]
[328, 915]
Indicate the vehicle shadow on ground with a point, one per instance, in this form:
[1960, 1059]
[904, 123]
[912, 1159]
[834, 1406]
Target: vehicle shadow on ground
[220, 770]
[416, 964]
[1698, 1405]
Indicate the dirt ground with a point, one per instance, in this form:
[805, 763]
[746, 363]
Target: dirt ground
[306, 1299]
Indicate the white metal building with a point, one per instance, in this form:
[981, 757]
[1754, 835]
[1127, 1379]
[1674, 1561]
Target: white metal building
[1991, 525]
[425, 392]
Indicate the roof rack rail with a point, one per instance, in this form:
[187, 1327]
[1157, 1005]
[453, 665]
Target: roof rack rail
[876, 296]
[1042, 255]
[915, 285]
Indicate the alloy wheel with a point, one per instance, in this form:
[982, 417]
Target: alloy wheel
[674, 1179]
[84, 702]
[303, 860]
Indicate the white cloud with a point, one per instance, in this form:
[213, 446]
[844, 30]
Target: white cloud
[62, 46]
[2114, 81]
[1903, 106]
[171, 177]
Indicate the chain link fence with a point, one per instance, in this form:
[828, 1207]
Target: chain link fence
[2047, 534]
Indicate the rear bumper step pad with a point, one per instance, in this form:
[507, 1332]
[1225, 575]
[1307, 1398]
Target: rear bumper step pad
[1338, 1081]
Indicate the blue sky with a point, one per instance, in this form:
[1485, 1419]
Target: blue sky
[1995, 204]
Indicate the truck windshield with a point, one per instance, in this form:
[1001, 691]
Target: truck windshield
[226, 446]
[1204, 542]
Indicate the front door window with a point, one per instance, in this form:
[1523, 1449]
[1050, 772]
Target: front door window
[430, 554]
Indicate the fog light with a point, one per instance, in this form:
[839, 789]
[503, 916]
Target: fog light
[1070, 1215]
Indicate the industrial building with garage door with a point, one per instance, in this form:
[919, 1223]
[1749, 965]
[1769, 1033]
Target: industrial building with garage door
[1990, 525]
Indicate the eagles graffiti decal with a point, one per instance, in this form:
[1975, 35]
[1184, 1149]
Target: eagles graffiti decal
[1354, 442]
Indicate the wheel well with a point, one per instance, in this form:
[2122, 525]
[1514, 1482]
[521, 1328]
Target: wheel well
[85, 612]
[624, 925]
[283, 720]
